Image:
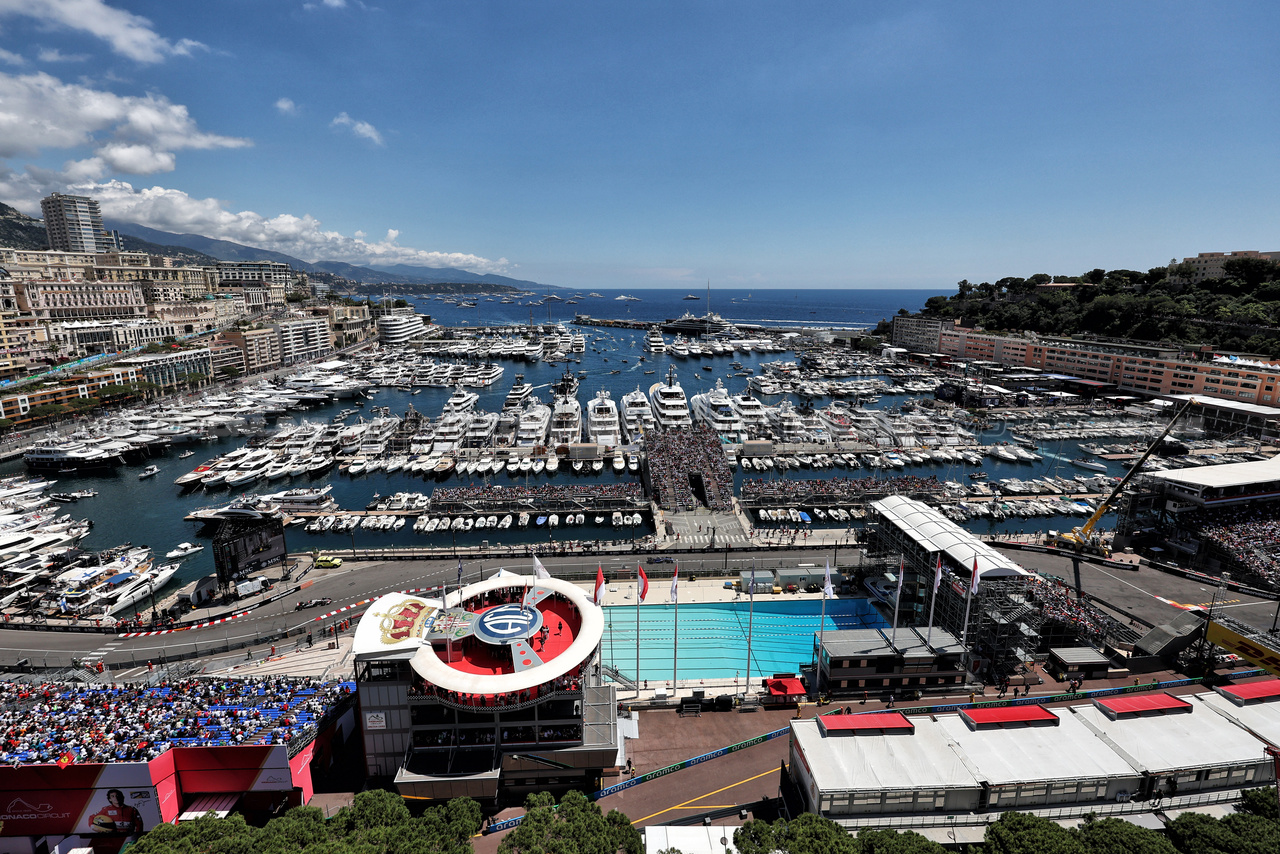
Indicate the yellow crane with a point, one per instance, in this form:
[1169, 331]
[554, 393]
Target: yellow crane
[1082, 539]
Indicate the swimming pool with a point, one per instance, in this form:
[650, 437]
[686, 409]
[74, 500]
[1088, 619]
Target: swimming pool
[713, 636]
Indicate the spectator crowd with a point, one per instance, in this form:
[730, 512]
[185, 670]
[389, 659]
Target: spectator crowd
[127, 723]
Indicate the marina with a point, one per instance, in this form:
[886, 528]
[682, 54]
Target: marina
[438, 448]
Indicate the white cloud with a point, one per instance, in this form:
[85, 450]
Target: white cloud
[287, 107]
[328, 4]
[10, 58]
[128, 34]
[300, 236]
[129, 133]
[359, 128]
[52, 54]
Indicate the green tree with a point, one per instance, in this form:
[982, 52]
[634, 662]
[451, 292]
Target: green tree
[46, 411]
[231, 835]
[577, 827]
[813, 834]
[895, 842]
[229, 371]
[6, 424]
[1023, 833]
[1196, 833]
[1251, 271]
[1115, 836]
[754, 837]
[1261, 802]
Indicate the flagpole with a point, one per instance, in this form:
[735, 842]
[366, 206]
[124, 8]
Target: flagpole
[751, 619]
[639, 595]
[675, 635]
[822, 628]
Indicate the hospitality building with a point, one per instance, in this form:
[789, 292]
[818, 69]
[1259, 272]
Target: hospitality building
[492, 690]
[1109, 756]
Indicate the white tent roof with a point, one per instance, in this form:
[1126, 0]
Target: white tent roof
[1227, 474]
[926, 759]
[1163, 743]
[1068, 751]
[936, 533]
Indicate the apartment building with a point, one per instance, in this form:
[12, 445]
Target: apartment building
[303, 338]
[14, 347]
[273, 278]
[201, 315]
[170, 369]
[16, 406]
[54, 300]
[74, 224]
[350, 324]
[919, 334]
[1208, 265]
[260, 348]
[88, 337]
[226, 354]
[1149, 369]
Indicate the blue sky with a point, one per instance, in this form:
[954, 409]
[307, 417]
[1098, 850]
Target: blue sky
[842, 145]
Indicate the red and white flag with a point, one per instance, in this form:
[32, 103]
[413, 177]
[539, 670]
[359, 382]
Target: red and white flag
[600, 584]
[675, 581]
[973, 582]
[937, 574]
[644, 582]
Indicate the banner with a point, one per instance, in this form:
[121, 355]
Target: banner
[1257, 655]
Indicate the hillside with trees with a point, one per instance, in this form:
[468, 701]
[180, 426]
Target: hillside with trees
[1238, 312]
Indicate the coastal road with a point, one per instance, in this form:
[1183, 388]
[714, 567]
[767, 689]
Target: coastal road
[1142, 593]
[348, 585]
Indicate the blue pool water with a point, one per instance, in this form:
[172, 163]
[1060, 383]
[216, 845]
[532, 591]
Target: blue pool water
[713, 636]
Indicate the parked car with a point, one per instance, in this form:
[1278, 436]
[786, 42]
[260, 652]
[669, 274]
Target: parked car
[327, 562]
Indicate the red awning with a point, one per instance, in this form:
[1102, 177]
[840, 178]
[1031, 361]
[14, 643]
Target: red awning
[1136, 704]
[786, 687]
[1002, 715]
[875, 721]
[1264, 690]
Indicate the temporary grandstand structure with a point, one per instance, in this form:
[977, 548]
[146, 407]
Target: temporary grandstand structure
[1216, 518]
[1008, 619]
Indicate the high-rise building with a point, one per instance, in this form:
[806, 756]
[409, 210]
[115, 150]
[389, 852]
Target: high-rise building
[74, 224]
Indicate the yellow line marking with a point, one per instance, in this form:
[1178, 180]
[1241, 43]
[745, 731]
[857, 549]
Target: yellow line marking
[707, 795]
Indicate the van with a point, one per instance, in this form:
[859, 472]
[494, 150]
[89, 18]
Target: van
[252, 586]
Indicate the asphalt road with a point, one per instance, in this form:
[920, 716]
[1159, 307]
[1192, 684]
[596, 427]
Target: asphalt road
[1143, 593]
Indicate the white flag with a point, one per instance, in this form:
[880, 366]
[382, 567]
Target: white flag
[539, 571]
[675, 579]
[902, 570]
[827, 590]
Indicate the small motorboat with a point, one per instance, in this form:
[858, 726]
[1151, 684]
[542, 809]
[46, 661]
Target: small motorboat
[185, 549]
[149, 471]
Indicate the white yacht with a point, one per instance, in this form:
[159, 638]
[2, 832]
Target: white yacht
[519, 393]
[450, 432]
[714, 409]
[670, 407]
[534, 423]
[679, 348]
[637, 415]
[751, 412]
[787, 424]
[69, 455]
[461, 401]
[603, 425]
[654, 342]
[481, 430]
[566, 420]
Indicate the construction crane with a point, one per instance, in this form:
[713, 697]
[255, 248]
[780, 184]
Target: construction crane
[1082, 539]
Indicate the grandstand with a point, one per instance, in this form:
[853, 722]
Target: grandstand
[1223, 518]
[70, 751]
[688, 468]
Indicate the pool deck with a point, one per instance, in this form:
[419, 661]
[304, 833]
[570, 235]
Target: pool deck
[699, 591]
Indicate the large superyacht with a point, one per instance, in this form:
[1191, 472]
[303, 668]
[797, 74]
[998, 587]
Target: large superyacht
[603, 425]
[714, 409]
[637, 415]
[670, 407]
